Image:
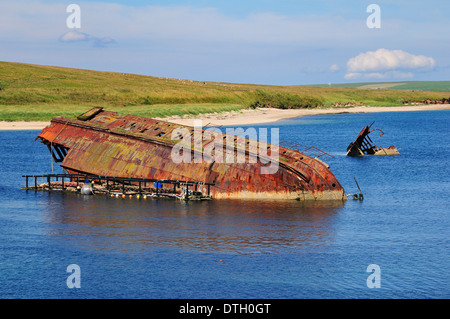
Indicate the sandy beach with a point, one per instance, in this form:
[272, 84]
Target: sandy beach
[22, 126]
[248, 117]
[264, 115]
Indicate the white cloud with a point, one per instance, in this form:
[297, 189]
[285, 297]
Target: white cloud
[74, 36]
[384, 63]
[334, 68]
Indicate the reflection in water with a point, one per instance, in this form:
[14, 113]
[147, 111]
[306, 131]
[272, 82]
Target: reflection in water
[241, 226]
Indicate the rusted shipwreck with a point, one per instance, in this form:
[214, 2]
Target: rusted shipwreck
[104, 143]
[363, 145]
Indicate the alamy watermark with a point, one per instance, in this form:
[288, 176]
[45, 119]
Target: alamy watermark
[374, 19]
[74, 279]
[374, 279]
[74, 19]
[237, 146]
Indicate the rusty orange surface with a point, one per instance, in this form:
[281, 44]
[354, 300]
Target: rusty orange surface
[110, 144]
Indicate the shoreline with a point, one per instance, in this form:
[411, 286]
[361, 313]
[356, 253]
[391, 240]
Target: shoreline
[269, 115]
[248, 117]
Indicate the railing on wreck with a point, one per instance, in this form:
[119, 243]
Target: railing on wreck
[110, 181]
[308, 150]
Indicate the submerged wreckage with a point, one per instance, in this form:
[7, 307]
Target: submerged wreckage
[363, 145]
[104, 143]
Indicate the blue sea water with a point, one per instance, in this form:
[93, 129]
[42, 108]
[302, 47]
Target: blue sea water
[242, 249]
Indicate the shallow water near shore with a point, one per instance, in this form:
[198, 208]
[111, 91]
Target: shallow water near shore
[128, 248]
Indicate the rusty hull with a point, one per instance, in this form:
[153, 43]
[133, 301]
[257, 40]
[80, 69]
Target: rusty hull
[105, 143]
[363, 145]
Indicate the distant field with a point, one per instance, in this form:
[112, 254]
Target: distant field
[36, 92]
[431, 86]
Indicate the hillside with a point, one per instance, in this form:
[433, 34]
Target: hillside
[431, 86]
[36, 92]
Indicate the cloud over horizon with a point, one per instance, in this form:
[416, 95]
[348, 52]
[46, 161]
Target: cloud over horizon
[384, 63]
[334, 68]
[76, 36]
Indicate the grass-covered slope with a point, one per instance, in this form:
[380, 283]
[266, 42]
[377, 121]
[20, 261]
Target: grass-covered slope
[432, 86]
[36, 92]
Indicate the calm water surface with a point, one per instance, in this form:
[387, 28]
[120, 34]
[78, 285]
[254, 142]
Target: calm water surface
[242, 249]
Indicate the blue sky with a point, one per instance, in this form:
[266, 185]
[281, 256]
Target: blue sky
[283, 42]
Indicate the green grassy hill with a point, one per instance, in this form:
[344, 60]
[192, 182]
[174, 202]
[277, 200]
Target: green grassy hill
[431, 86]
[36, 92]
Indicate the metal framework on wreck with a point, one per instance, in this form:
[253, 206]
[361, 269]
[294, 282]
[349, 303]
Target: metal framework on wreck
[108, 185]
[363, 144]
[104, 143]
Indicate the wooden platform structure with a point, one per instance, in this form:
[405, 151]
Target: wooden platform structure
[119, 186]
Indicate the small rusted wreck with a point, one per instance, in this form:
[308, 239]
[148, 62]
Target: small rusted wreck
[363, 145]
[101, 142]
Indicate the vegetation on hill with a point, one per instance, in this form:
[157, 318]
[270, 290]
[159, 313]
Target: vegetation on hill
[432, 86]
[36, 92]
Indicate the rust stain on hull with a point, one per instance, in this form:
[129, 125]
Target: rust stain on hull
[108, 144]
